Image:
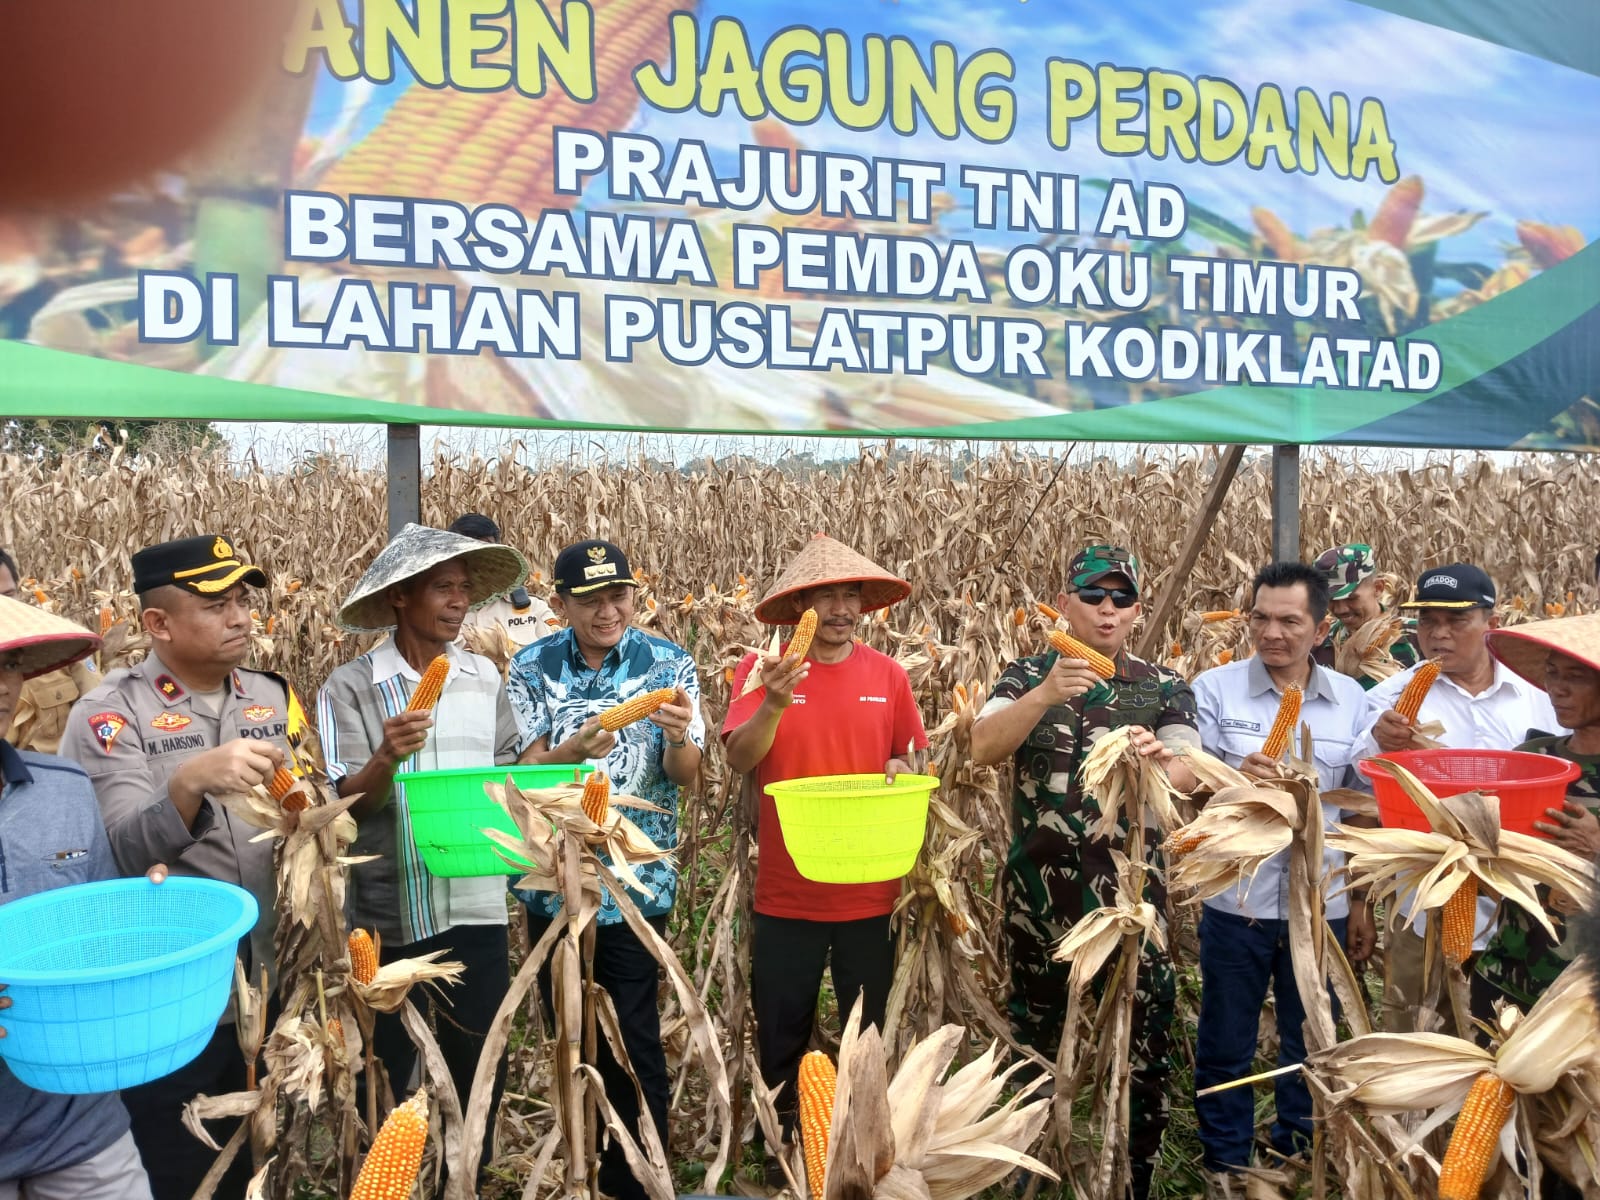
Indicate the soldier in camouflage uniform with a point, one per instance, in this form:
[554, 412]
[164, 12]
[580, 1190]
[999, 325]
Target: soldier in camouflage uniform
[1045, 713]
[1353, 598]
[1563, 657]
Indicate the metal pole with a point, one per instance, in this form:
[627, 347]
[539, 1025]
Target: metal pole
[405, 476]
[1285, 503]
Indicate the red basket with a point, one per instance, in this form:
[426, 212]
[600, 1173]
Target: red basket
[1527, 784]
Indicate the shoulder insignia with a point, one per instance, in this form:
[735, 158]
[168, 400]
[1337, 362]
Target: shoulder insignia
[168, 687]
[169, 722]
[106, 726]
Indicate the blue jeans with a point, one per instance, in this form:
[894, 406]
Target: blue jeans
[1239, 959]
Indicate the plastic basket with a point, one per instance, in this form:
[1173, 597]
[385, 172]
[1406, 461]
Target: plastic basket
[853, 828]
[450, 810]
[1527, 784]
[117, 983]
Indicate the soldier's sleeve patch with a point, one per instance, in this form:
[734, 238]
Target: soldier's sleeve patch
[106, 726]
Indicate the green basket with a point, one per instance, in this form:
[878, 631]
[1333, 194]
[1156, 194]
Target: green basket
[853, 828]
[450, 810]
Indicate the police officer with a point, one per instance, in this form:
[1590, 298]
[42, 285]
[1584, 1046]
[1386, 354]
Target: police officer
[158, 741]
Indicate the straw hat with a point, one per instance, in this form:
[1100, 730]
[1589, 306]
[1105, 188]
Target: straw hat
[491, 571]
[823, 561]
[1526, 648]
[43, 642]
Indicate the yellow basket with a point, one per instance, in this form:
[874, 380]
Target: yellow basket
[853, 828]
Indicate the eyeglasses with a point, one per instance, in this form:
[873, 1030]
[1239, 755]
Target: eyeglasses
[1119, 597]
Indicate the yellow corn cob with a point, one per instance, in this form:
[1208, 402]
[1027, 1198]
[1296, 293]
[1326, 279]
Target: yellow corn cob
[804, 631]
[1483, 1115]
[1396, 212]
[390, 1171]
[640, 707]
[363, 956]
[1185, 840]
[282, 781]
[1549, 244]
[1048, 613]
[1224, 657]
[1218, 614]
[105, 621]
[1459, 922]
[427, 693]
[336, 1028]
[818, 1081]
[597, 797]
[1288, 717]
[1070, 647]
[1410, 702]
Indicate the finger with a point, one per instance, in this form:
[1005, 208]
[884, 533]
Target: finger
[157, 873]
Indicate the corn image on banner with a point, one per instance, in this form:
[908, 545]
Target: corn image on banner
[1232, 220]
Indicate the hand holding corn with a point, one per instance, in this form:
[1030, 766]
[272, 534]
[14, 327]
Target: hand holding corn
[593, 740]
[780, 675]
[674, 716]
[1394, 728]
[404, 734]
[1068, 679]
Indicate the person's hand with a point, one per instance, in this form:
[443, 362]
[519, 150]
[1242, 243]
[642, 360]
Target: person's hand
[1068, 679]
[1360, 933]
[157, 874]
[780, 675]
[1572, 827]
[1392, 732]
[592, 740]
[674, 717]
[235, 766]
[897, 766]
[1261, 766]
[1148, 745]
[404, 734]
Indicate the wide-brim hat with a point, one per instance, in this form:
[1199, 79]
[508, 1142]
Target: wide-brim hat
[821, 562]
[491, 571]
[42, 641]
[1526, 649]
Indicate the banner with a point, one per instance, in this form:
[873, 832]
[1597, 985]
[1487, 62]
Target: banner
[1235, 220]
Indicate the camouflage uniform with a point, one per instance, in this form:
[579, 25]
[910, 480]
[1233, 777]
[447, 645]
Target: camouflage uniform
[1056, 873]
[1522, 960]
[1346, 568]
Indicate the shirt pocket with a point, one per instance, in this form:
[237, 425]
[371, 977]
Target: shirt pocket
[1238, 744]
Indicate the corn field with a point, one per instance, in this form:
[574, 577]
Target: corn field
[982, 536]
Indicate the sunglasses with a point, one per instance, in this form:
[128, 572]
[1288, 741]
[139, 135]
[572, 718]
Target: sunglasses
[1120, 597]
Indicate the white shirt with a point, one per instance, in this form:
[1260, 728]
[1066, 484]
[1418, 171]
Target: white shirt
[1497, 718]
[1237, 705]
[523, 626]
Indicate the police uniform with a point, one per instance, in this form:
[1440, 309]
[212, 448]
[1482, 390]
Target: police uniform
[131, 734]
[41, 716]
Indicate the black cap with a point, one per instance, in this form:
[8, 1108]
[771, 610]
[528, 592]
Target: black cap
[1454, 585]
[206, 565]
[590, 566]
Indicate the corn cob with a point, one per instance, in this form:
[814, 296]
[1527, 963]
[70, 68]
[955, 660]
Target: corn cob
[1477, 1131]
[804, 631]
[336, 1030]
[636, 709]
[1280, 240]
[1410, 702]
[1218, 614]
[1070, 647]
[597, 797]
[1549, 244]
[818, 1081]
[1396, 212]
[1185, 840]
[427, 693]
[390, 1171]
[106, 621]
[1288, 717]
[363, 956]
[1048, 613]
[281, 783]
[1459, 922]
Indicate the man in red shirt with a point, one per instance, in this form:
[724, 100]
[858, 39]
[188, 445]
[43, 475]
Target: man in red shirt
[843, 709]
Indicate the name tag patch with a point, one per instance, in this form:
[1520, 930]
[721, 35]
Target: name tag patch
[1235, 723]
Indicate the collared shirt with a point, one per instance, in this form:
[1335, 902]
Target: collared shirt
[133, 732]
[1501, 717]
[472, 727]
[554, 691]
[1238, 703]
[50, 837]
[523, 626]
[41, 716]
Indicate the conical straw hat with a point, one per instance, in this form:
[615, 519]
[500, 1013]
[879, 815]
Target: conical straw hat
[491, 571]
[823, 561]
[43, 642]
[1526, 648]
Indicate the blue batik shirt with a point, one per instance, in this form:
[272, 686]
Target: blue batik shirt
[553, 691]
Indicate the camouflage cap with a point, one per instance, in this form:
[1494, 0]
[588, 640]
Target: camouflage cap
[1346, 568]
[1093, 563]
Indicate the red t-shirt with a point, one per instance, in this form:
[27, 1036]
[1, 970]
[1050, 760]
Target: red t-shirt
[849, 717]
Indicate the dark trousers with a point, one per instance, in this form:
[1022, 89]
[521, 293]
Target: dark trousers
[1239, 960]
[632, 978]
[461, 1013]
[173, 1157]
[787, 957]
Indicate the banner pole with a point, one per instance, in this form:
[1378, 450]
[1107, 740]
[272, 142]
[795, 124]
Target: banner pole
[1285, 503]
[405, 476]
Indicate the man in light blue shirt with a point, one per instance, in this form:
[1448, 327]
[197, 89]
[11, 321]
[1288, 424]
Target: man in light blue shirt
[1244, 935]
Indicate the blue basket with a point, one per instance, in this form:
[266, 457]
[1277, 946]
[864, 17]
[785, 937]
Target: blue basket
[117, 983]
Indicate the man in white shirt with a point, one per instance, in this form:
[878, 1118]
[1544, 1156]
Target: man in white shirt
[1244, 936]
[1482, 706]
[524, 617]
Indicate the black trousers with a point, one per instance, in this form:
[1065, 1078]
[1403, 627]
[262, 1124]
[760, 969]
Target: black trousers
[173, 1157]
[787, 958]
[461, 1013]
[632, 978]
